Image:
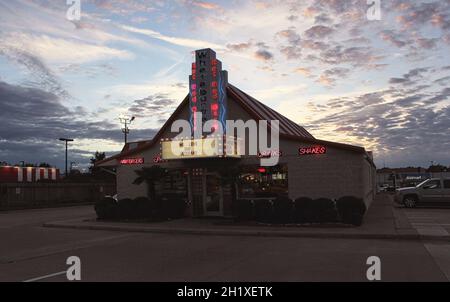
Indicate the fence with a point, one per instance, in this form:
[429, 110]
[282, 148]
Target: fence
[32, 194]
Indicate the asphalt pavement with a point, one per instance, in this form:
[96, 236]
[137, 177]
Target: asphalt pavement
[30, 251]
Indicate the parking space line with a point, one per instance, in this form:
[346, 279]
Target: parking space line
[45, 277]
[440, 255]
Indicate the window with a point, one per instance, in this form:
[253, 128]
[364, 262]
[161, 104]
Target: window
[446, 183]
[174, 183]
[262, 182]
[433, 184]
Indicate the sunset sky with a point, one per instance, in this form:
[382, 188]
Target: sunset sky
[383, 84]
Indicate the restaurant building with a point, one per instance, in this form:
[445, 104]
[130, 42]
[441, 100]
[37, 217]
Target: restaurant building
[306, 167]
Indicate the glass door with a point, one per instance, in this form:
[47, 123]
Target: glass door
[212, 195]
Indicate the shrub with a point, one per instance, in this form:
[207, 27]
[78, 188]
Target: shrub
[282, 210]
[351, 210]
[303, 210]
[106, 208]
[143, 208]
[126, 208]
[263, 210]
[323, 210]
[243, 209]
[173, 206]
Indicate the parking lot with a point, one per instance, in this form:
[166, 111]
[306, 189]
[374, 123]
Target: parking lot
[31, 251]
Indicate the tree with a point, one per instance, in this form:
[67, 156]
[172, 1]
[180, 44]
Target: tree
[150, 176]
[437, 168]
[44, 165]
[98, 156]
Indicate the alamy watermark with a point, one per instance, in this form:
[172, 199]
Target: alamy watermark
[374, 271]
[74, 11]
[73, 273]
[260, 139]
[373, 10]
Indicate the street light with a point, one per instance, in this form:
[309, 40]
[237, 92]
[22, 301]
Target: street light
[66, 140]
[125, 130]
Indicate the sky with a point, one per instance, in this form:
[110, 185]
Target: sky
[326, 64]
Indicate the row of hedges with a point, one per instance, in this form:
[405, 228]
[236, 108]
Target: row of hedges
[166, 207]
[348, 209]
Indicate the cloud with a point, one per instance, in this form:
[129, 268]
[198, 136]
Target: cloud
[33, 120]
[318, 32]
[239, 46]
[155, 105]
[264, 55]
[400, 125]
[411, 77]
[190, 43]
[303, 71]
[44, 77]
[62, 50]
[330, 76]
[206, 5]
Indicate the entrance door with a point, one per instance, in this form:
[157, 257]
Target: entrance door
[212, 195]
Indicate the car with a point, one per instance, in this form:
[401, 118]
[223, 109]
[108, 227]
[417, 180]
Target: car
[383, 188]
[433, 190]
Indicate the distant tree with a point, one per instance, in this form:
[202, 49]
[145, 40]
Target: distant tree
[98, 156]
[44, 165]
[437, 168]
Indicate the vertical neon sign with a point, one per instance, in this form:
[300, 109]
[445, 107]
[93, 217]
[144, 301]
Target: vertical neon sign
[207, 89]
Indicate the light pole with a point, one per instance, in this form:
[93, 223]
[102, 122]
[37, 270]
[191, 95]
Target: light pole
[66, 140]
[125, 122]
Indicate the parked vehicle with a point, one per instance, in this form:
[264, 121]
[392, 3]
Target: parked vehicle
[430, 191]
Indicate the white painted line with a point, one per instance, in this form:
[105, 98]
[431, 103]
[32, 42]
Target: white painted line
[436, 231]
[45, 277]
[440, 254]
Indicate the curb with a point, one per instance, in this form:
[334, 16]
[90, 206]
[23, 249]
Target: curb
[254, 233]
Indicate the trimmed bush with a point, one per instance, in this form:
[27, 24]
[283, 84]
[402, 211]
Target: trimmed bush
[243, 209]
[282, 210]
[106, 208]
[303, 210]
[126, 208]
[323, 210]
[351, 210]
[173, 206]
[263, 210]
[144, 208]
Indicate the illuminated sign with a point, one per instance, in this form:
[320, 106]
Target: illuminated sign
[312, 150]
[197, 148]
[157, 159]
[132, 161]
[207, 90]
[269, 153]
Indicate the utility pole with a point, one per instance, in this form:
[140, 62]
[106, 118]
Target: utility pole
[66, 140]
[125, 122]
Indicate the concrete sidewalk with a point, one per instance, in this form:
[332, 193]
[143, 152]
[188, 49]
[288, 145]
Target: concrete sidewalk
[383, 221]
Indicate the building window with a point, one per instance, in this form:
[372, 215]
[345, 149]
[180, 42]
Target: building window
[263, 182]
[175, 183]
